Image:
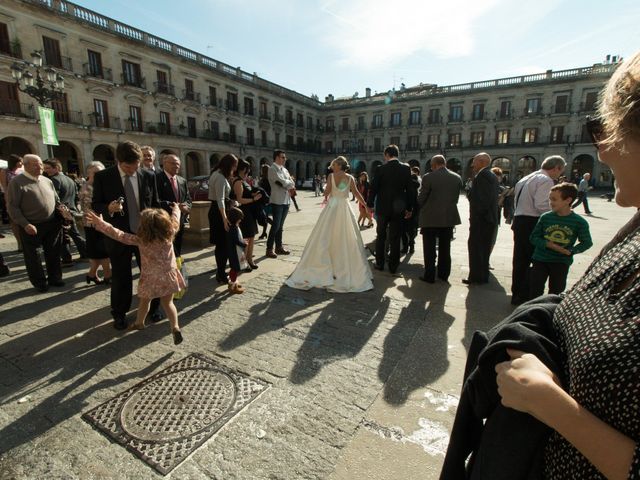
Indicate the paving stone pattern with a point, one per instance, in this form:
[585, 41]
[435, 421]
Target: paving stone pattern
[322, 354]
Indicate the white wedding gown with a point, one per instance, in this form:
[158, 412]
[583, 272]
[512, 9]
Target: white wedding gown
[334, 256]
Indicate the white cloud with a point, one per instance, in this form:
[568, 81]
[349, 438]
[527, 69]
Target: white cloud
[371, 33]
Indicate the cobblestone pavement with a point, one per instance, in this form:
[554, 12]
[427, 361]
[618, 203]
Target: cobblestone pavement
[362, 385]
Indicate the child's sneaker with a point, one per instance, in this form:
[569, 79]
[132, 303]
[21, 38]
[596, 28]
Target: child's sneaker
[177, 337]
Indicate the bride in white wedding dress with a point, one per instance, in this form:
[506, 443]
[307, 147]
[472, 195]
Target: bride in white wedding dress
[334, 256]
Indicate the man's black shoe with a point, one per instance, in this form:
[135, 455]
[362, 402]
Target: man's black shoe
[517, 300]
[42, 288]
[56, 283]
[378, 267]
[4, 270]
[428, 280]
[155, 317]
[119, 323]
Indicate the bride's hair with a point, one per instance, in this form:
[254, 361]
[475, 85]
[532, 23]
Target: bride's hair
[342, 162]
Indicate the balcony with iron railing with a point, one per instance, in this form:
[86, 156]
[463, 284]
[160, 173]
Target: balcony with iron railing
[131, 125]
[437, 120]
[95, 71]
[132, 81]
[278, 118]
[344, 128]
[415, 123]
[190, 96]
[330, 128]
[231, 106]
[289, 121]
[560, 110]
[215, 102]
[164, 89]
[64, 63]
[376, 125]
[587, 107]
[98, 121]
[265, 116]
[209, 134]
[13, 108]
[395, 123]
[455, 118]
[69, 116]
[504, 115]
[479, 117]
[160, 128]
[533, 112]
[249, 111]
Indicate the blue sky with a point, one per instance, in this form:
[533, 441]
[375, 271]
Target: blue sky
[344, 46]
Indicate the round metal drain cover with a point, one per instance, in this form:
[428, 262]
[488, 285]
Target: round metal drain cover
[178, 404]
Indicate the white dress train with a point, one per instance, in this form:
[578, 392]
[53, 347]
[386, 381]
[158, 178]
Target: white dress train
[334, 256]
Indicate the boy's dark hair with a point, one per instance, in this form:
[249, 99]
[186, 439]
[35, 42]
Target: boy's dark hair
[567, 190]
[234, 214]
[128, 152]
[277, 153]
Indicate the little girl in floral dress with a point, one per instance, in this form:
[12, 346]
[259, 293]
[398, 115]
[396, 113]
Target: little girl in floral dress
[159, 276]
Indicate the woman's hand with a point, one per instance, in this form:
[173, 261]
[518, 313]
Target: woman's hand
[525, 383]
[225, 221]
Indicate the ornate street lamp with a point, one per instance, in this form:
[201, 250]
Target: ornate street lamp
[43, 88]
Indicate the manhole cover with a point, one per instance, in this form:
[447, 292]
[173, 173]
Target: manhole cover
[166, 417]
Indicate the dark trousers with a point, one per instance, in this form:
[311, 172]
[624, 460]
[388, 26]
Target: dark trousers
[80, 242]
[394, 224]
[177, 241]
[479, 247]
[582, 198]
[49, 236]
[443, 236]
[555, 272]
[120, 256]
[522, 227]
[279, 213]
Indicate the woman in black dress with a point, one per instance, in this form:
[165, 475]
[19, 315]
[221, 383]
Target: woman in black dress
[242, 193]
[596, 413]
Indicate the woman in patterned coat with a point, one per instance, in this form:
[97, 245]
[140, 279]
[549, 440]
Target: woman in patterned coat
[596, 412]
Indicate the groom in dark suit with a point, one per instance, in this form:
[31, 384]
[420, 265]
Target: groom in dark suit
[120, 193]
[390, 195]
[483, 218]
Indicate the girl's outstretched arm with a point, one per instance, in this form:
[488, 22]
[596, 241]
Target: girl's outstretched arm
[111, 231]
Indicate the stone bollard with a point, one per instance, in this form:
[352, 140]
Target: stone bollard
[197, 232]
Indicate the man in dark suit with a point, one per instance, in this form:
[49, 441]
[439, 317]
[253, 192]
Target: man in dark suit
[67, 191]
[390, 195]
[119, 194]
[483, 218]
[438, 201]
[172, 188]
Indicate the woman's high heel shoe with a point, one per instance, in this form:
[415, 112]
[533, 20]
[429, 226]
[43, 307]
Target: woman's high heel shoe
[95, 280]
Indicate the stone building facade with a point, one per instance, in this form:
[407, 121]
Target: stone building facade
[122, 83]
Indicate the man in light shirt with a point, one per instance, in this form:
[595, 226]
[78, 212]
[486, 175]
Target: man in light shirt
[280, 182]
[531, 197]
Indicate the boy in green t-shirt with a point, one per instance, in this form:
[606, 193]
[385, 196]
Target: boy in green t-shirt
[554, 237]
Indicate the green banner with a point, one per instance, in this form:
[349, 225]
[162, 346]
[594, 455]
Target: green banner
[48, 126]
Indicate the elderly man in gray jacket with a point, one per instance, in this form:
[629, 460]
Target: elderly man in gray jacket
[438, 201]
